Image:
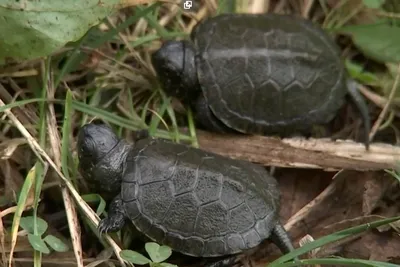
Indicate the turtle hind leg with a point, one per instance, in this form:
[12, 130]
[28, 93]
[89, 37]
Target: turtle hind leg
[362, 107]
[281, 239]
[115, 219]
[207, 119]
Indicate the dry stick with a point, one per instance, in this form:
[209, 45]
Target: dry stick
[257, 7]
[386, 107]
[307, 7]
[101, 54]
[211, 5]
[196, 18]
[170, 15]
[130, 3]
[70, 209]
[40, 153]
[373, 97]
[2, 243]
[300, 152]
[388, 14]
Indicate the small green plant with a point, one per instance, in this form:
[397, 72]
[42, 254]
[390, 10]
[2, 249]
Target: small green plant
[36, 240]
[157, 254]
[395, 173]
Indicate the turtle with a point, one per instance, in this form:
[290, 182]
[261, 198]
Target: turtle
[198, 203]
[264, 74]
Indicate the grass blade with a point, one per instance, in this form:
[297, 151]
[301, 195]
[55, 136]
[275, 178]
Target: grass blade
[331, 238]
[21, 205]
[340, 262]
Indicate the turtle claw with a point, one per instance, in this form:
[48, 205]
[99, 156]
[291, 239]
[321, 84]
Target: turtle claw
[115, 219]
[111, 224]
[104, 226]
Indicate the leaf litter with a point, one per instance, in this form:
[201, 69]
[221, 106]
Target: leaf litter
[352, 198]
[315, 202]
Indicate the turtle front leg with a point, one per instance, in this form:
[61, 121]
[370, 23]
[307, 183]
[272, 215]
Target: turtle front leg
[115, 219]
[207, 119]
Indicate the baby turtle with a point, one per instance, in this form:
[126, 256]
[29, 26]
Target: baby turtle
[258, 74]
[198, 203]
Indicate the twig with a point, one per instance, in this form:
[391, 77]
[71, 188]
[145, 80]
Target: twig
[130, 3]
[388, 14]
[373, 97]
[196, 18]
[386, 107]
[301, 153]
[55, 144]
[258, 6]
[307, 7]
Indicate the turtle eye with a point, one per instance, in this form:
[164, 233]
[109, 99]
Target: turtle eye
[83, 152]
[87, 148]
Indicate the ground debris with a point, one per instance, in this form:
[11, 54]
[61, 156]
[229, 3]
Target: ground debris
[352, 198]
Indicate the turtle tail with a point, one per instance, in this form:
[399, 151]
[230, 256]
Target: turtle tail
[281, 239]
[362, 106]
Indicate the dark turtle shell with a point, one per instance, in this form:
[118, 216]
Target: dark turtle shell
[198, 203]
[267, 73]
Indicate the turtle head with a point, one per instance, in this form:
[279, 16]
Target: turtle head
[95, 141]
[101, 156]
[175, 66]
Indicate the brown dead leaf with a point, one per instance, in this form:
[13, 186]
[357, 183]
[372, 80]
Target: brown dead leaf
[346, 202]
[13, 182]
[295, 193]
[341, 200]
[336, 247]
[387, 207]
[374, 246]
[374, 189]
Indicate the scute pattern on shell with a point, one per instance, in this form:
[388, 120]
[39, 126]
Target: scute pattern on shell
[217, 205]
[263, 73]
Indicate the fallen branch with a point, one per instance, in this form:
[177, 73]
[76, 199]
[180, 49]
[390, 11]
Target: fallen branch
[302, 153]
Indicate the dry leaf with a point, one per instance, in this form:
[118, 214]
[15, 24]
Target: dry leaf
[295, 192]
[339, 206]
[374, 246]
[374, 189]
